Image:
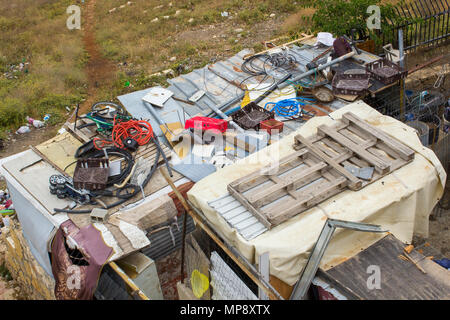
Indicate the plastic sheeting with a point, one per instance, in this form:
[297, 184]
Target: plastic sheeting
[400, 202]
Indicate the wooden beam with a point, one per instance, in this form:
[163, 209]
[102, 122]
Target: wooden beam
[136, 292]
[354, 184]
[379, 165]
[267, 194]
[261, 175]
[199, 221]
[309, 198]
[405, 152]
[305, 37]
[249, 207]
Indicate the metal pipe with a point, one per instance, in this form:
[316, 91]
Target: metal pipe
[319, 68]
[228, 103]
[401, 48]
[402, 82]
[224, 116]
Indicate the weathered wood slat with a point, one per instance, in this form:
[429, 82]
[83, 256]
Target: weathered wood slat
[354, 183]
[293, 182]
[314, 195]
[249, 207]
[316, 171]
[379, 165]
[247, 182]
[405, 152]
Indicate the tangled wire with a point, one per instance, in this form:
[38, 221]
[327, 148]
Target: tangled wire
[139, 130]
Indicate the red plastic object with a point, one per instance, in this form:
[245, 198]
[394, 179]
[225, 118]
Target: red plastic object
[271, 124]
[205, 123]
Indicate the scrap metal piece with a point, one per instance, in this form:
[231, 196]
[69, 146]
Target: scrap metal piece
[157, 96]
[194, 172]
[365, 173]
[308, 273]
[196, 96]
[238, 217]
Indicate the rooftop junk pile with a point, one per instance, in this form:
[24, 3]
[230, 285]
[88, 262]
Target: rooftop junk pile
[263, 145]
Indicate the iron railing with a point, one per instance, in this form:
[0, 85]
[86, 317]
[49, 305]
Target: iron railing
[427, 24]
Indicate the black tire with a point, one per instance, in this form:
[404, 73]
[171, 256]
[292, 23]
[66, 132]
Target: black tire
[53, 189]
[61, 194]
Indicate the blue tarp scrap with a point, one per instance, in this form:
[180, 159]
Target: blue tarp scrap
[445, 263]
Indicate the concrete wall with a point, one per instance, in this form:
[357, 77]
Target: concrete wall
[34, 282]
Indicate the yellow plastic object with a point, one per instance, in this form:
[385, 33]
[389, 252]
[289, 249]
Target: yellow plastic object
[199, 283]
[246, 99]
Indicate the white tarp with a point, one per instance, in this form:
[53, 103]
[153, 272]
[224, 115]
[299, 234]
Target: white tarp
[400, 202]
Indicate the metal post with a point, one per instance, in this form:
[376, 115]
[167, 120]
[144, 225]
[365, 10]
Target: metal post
[309, 271]
[402, 81]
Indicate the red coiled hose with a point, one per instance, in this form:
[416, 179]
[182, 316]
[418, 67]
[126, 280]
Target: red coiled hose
[139, 130]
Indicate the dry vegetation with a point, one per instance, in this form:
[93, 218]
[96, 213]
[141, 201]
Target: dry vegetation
[188, 34]
[194, 32]
[34, 33]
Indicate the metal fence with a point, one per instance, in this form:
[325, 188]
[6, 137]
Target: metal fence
[427, 24]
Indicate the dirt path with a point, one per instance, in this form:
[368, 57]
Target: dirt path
[100, 71]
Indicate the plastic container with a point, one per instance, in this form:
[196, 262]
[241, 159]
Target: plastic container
[386, 71]
[350, 83]
[422, 130]
[271, 124]
[91, 174]
[434, 123]
[250, 116]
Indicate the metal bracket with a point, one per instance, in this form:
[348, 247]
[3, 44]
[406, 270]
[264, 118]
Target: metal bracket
[308, 273]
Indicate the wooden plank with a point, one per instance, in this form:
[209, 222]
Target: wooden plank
[295, 181]
[305, 37]
[258, 177]
[135, 291]
[354, 183]
[379, 165]
[249, 207]
[405, 152]
[200, 222]
[264, 270]
[277, 214]
[79, 133]
[60, 150]
[281, 193]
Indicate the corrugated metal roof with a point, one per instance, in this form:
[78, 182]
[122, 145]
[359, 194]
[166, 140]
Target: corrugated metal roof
[238, 217]
[161, 241]
[400, 280]
[111, 286]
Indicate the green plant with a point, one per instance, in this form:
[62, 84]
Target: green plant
[4, 272]
[339, 17]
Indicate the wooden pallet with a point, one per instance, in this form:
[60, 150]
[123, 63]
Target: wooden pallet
[316, 172]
